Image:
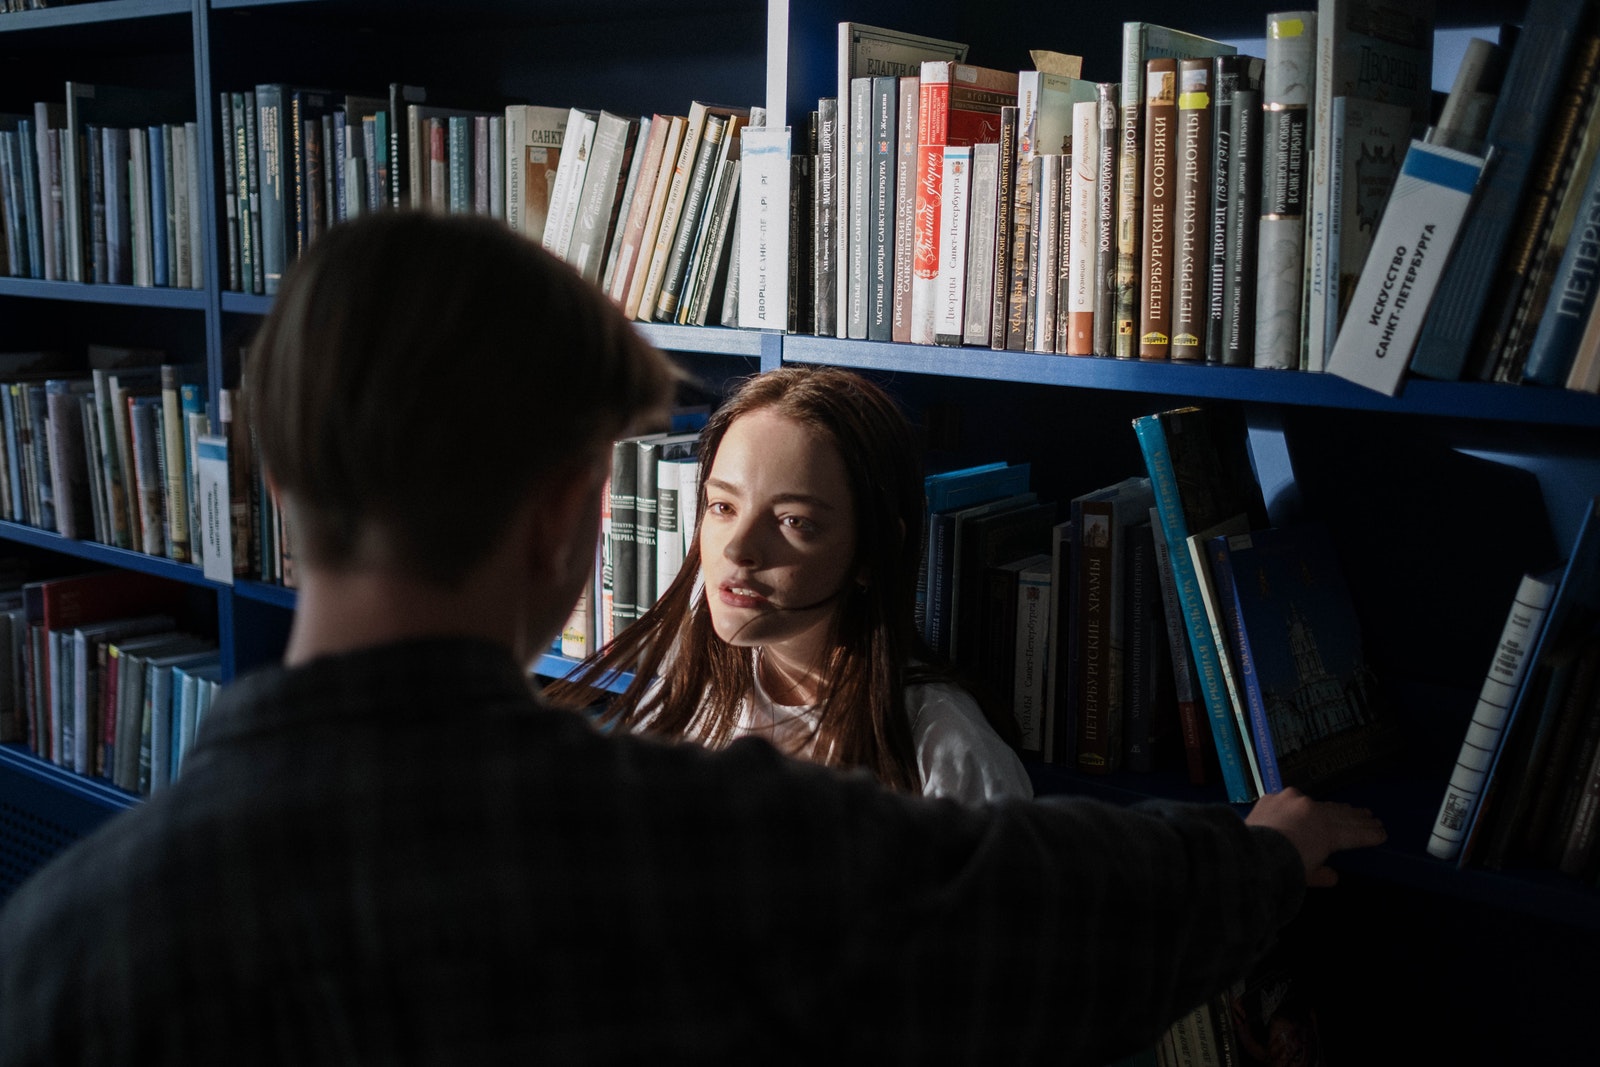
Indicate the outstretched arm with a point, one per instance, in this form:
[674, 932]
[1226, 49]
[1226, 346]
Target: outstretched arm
[1317, 829]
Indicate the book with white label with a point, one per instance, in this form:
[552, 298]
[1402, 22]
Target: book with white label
[764, 228]
[1409, 252]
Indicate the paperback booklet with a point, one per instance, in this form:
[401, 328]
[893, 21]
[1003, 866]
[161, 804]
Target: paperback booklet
[1409, 253]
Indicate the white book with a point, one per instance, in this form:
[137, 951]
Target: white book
[764, 228]
[1523, 625]
[1083, 229]
[1044, 250]
[951, 283]
[982, 236]
[1409, 251]
[532, 159]
[563, 211]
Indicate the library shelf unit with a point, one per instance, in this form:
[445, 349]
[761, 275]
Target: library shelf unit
[1441, 496]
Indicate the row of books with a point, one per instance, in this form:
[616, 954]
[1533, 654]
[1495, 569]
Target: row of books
[1525, 790]
[90, 192]
[108, 453]
[101, 678]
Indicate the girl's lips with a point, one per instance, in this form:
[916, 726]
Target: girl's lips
[736, 595]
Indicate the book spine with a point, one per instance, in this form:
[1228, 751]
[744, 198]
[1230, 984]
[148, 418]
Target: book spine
[978, 302]
[677, 265]
[1083, 229]
[1244, 192]
[933, 112]
[1225, 75]
[1099, 749]
[1285, 140]
[1163, 479]
[905, 201]
[1005, 198]
[1108, 96]
[1032, 656]
[272, 117]
[883, 161]
[950, 286]
[859, 207]
[825, 218]
[1507, 668]
[1044, 248]
[1156, 209]
[1191, 227]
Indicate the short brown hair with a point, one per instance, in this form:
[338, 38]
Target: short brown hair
[420, 373]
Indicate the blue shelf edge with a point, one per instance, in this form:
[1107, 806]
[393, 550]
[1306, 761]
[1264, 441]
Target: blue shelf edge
[101, 12]
[94, 790]
[96, 293]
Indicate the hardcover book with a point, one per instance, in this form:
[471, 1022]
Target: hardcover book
[1082, 190]
[1286, 98]
[600, 197]
[949, 313]
[1141, 42]
[1191, 212]
[1316, 710]
[1229, 156]
[1155, 246]
[533, 156]
[905, 204]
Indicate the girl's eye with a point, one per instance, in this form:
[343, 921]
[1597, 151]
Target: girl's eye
[718, 507]
[800, 523]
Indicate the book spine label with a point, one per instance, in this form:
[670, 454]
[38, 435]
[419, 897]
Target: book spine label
[950, 286]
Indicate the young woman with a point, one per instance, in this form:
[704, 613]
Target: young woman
[792, 618]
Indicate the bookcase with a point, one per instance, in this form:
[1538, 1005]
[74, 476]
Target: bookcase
[1441, 496]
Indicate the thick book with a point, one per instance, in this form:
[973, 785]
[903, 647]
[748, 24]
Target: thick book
[1316, 709]
[1199, 464]
[69, 468]
[951, 490]
[945, 530]
[759, 283]
[639, 243]
[620, 259]
[1286, 130]
[1156, 209]
[1375, 50]
[1108, 98]
[858, 209]
[717, 144]
[1532, 82]
[1191, 212]
[864, 51]
[1398, 284]
[1141, 42]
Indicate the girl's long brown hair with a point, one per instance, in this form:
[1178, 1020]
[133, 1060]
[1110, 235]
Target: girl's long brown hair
[862, 718]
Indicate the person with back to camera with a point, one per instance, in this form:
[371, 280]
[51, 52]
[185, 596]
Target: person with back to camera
[389, 848]
[792, 618]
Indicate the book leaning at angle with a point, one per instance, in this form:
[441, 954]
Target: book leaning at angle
[1524, 622]
[1409, 252]
[764, 228]
[1286, 90]
[1572, 608]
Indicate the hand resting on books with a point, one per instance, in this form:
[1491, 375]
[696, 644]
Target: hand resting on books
[1317, 829]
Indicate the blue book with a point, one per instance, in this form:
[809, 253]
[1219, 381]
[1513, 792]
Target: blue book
[952, 490]
[1572, 291]
[28, 151]
[1199, 466]
[1314, 703]
[1532, 82]
[158, 204]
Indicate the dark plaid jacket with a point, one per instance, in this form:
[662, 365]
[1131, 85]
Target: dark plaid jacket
[400, 856]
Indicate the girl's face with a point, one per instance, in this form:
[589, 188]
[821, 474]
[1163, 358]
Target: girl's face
[777, 539]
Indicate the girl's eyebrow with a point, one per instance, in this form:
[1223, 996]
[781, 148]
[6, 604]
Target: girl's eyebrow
[781, 498]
